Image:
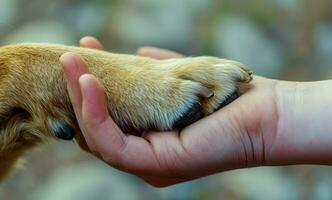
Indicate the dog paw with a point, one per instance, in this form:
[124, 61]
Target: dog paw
[220, 82]
[189, 89]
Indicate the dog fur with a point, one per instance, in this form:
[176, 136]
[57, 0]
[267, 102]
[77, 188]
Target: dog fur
[142, 93]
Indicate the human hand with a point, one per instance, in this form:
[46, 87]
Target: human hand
[251, 131]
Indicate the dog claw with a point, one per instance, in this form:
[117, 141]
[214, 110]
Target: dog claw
[228, 100]
[205, 93]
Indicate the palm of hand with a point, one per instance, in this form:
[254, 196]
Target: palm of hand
[236, 136]
[239, 135]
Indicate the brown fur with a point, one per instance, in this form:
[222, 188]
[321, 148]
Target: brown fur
[143, 93]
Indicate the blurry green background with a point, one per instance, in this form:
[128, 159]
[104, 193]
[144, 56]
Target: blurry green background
[287, 39]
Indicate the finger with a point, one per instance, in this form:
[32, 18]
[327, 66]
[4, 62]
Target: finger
[91, 42]
[104, 136]
[74, 67]
[127, 153]
[158, 53]
[94, 105]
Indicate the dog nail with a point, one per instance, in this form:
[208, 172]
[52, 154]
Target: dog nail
[205, 93]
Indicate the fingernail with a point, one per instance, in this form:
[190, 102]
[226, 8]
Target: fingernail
[84, 80]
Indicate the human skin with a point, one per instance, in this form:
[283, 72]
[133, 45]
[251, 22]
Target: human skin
[274, 123]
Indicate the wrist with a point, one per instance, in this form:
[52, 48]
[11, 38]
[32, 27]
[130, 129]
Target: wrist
[304, 129]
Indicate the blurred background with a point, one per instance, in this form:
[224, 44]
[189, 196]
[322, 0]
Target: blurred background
[286, 39]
